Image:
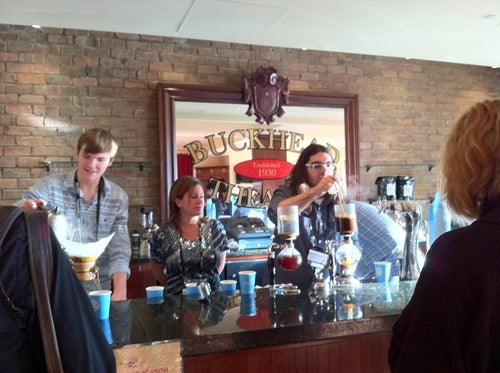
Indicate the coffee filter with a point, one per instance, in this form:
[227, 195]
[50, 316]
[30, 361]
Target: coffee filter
[85, 252]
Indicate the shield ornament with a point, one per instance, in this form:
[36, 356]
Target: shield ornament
[266, 100]
[265, 92]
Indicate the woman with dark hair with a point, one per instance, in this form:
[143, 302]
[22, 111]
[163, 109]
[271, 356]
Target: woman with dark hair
[192, 247]
[312, 186]
[452, 322]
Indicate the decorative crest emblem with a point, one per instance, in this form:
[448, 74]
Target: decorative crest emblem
[265, 92]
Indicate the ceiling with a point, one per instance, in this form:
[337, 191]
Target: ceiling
[457, 31]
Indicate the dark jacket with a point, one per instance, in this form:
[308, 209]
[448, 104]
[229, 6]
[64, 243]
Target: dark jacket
[452, 322]
[82, 344]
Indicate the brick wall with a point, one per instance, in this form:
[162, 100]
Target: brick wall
[56, 82]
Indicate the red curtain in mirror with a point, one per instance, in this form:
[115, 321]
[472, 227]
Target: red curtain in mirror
[184, 165]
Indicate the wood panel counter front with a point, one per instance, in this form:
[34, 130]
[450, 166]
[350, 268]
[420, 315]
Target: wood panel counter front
[348, 330]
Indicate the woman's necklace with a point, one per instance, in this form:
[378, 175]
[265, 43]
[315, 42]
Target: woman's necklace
[195, 237]
[188, 245]
[190, 231]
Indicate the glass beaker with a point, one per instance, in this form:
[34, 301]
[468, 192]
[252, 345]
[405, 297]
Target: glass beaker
[288, 221]
[345, 218]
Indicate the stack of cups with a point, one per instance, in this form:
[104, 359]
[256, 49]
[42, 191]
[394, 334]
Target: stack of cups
[248, 306]
[247, 289]
[101, 302]
[247, 282]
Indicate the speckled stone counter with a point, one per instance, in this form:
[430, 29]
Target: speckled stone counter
[246, 253]
[235, 322]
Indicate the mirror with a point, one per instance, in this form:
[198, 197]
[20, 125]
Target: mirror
[190, 117]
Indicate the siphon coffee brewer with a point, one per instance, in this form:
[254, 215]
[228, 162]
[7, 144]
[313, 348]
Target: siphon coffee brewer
[347, 254]
[289, 258]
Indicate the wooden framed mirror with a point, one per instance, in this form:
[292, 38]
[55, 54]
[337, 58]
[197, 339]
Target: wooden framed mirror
[171, 94]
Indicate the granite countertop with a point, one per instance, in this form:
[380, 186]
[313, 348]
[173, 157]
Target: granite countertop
[230, 254]
[232, 322]
[246, 252]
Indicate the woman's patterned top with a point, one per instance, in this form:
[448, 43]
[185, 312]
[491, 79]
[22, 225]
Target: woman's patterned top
[190, 260]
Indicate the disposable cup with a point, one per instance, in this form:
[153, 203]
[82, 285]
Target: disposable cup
[154, 291]
[384, 293]
[106, 329]
[192, 289]
[228, 286]
[247, 281]
[382, 271]
[101, 301]
[247, 305]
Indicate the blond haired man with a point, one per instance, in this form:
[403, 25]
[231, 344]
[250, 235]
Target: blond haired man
[93, 206]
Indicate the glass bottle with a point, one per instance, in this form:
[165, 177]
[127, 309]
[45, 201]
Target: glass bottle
[136, 244]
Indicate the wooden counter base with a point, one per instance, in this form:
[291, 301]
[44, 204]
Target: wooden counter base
[361, 353]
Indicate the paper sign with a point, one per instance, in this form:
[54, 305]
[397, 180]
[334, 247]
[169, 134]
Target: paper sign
[159, 357]
[315, 256]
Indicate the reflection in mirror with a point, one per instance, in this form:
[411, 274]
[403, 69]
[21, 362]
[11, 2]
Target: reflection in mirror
[215, 142]
[204, 132]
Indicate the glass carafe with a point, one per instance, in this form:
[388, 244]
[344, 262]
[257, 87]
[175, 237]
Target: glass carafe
[289, 257]
[347, 257]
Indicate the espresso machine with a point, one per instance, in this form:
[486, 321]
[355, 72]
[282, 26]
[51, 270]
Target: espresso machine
[395, 199]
